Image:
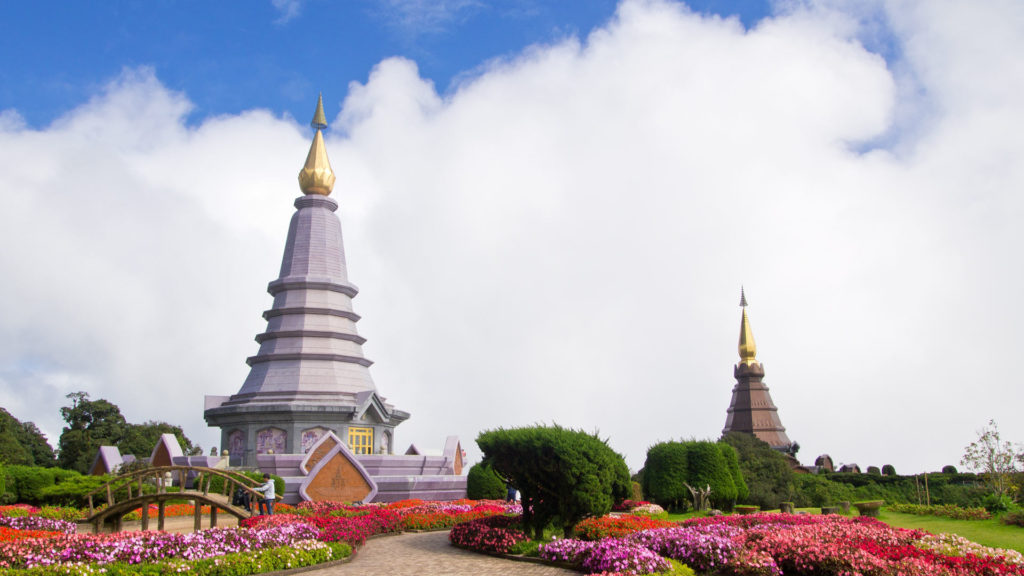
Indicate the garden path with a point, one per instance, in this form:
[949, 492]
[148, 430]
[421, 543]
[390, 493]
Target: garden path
[427, 554]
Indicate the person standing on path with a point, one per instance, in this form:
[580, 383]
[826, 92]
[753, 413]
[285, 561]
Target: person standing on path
[267, 489]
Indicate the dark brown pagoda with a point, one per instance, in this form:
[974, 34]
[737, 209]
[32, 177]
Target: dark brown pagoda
[752, 410]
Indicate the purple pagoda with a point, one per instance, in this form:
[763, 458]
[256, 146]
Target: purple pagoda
[309, 377]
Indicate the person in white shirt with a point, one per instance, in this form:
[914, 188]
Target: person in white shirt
[267, 488]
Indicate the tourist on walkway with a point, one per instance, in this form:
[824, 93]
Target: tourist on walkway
[510, 494]
[267, 489]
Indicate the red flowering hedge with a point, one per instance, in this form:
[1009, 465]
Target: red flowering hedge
[354, 524]
[14, 535]
[492, 534]
[353, 529]
[617, 526]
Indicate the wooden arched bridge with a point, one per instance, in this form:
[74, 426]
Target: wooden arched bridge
[161, 484]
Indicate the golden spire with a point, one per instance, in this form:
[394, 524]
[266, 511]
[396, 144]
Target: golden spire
[316, 177]
[748, 350]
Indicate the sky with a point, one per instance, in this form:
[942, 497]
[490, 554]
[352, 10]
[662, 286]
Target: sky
[549, 209]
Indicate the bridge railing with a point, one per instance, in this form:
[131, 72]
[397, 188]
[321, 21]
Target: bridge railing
[161, 480]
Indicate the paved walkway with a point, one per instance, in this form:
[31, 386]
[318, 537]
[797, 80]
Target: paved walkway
[427, 554]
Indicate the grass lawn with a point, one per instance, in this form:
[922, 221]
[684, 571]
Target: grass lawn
[987, 532]
[679, 517]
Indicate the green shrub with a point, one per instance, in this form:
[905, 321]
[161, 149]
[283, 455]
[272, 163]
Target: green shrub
[664, 475]
[817, 490]
[706, 467]
[561, 473]
[889, 470]
[869, 507]
[947, 510]
[766, 472]
[732, 462]
[27, 483]
[638, 493]
[74, 490]
[949, 469]
[1014, 518]
[483, 484]
[996, 504]
[874, 471]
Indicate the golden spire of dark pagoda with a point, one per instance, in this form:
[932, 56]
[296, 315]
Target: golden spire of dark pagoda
[747, 347]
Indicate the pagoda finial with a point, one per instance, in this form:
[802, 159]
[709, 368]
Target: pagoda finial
[747, 347]
[316, 176]
[319, 119]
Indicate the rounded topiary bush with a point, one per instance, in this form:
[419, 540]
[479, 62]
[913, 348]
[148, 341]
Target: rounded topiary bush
[483, 484]
[949, 469]
[888, 470]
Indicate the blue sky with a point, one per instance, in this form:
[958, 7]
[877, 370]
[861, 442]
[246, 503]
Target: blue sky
[235, 56]
[549, 208]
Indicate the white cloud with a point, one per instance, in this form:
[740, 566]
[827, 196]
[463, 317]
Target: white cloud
[289, 10]
[424, 16]
[563, 237]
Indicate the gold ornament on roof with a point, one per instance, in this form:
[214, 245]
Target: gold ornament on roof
[748, 349]
[316, 176]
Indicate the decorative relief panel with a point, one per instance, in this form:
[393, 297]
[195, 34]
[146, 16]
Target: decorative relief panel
[271, 440]
[310, 437]
[236, 443]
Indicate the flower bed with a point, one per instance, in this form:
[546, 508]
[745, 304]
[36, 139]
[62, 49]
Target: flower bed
[31, 544]
[772, 545]
[616, 526]
[38, 523]
[947, 510]
[491, 534]
[14, 534]
[608, 555]
[296, 555]
[145, 547]
[17, 510]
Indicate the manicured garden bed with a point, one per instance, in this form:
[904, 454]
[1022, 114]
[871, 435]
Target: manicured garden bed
[312, 533]
[753, 545]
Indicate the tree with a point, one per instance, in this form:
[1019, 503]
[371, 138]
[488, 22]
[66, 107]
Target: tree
[673, 472]
[706, 467]
[732, 462]
[139, 439]
[664, 475]
[560, 473]
[483, 484]
[91, 424]
[994, 459]
[23, 443]
[767, 473]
